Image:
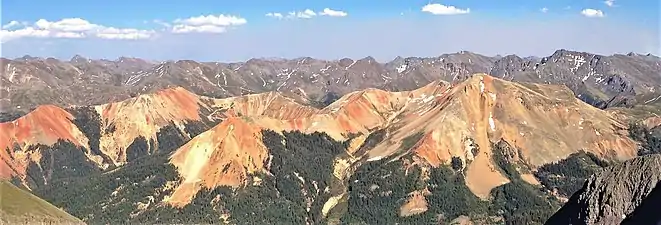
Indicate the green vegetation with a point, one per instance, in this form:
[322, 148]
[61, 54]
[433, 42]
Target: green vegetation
[456, 163]
[371, 141]
[517, 201]
[110, 198]
[89, 122]
[379, 188]
[410, 141]
[568, 175]
[503, 156]
[20, 207]
[79, 186]
[10, 116]
[61, 160]
[169, 138]
[300, 172]
[324, 101]
[520, 203]
[281, 198]
[649, 139]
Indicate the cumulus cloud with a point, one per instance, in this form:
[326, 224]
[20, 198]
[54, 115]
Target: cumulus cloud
[335, 39]
[275, 15]
[305, 14]
[544, 10]
[207, 24]
[610, 3]
[70, 28]
[11, 24]
[330, 12]
[438, 9]
[162, 23]
[592, 13]
[308, 14]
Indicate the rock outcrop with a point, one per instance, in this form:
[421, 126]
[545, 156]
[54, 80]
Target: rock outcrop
[628, 193]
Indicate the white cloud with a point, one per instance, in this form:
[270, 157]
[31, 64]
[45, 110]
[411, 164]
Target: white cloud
[275, 15]
[592, 13]
[438, 9]
[305, 14]
[181, 28]
[610, 3]
[67, 25]
[11, 24]
[207, 24]
[330, 12]
[335, 39]
[544, 10]
[70, 28]
[128, 33]
[160, 22]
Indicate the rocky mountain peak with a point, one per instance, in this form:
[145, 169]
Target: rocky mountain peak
[78, 59]
[621, 194]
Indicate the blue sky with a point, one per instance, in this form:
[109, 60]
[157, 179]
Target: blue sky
[223, 30]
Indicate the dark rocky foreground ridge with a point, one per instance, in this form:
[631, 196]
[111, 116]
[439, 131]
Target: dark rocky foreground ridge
[602, 81]
[629, 193]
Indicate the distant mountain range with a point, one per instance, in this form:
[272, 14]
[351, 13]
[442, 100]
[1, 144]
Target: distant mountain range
[602, 81]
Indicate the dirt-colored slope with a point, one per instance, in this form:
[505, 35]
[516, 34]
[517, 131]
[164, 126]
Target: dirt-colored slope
[269, 104]
[545, 122]
[143, 116]
[122, 123]
[45, 125]
[224, 155]
[21, 207]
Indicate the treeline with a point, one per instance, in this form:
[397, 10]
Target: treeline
[518, 202]
[568, 175]
[111, 197]
[10, 116]
[293, 192]
[61, 160]
[379, 188]
[649, 139]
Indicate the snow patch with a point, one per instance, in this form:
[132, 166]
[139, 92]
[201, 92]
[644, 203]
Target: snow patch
[374, 159]
[401, 68]
[354, 62]
[492, 124]
[652, 100]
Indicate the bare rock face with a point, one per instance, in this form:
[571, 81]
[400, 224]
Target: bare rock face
[628, 193]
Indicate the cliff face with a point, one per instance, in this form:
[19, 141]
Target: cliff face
[628, 193]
